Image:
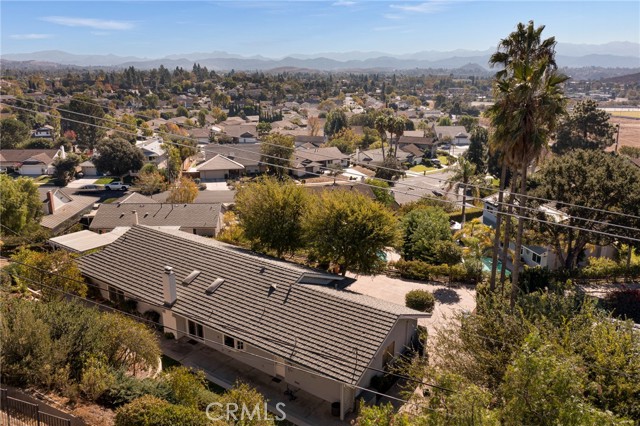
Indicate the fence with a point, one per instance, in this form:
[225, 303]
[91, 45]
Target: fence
[15, 412]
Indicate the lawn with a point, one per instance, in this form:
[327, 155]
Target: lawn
[420, 168]
[44, 180]
[105, 180]
[444, 160]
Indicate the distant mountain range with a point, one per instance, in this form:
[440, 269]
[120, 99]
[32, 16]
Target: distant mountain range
[610, 55]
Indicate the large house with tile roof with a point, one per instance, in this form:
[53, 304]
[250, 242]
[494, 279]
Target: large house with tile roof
[282, 319]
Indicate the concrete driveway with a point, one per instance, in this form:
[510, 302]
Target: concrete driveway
[216, 186]
[78, 183]
[449, 300]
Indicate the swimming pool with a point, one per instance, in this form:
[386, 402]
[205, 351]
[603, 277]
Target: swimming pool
[486, 266]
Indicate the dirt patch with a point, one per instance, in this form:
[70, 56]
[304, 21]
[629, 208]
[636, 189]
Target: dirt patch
[92, 414]
[629, 131]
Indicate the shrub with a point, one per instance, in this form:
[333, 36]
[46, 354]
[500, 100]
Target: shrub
[420, 300]
[423, 271]
[413, 269]
[534, 279]
[126, 389]
[625, 303]
[383, 382]
[152, 411]
[473, 269]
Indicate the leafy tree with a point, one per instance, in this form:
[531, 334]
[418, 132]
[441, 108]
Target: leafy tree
[380, 189]
[336, 121]
[270, 214]
[263, 128]
[590, 179]
[150, 182]
[586, 127]
[277, 152]
[183, 191]
[37, 143]
[391, 169]
[422, 229]
[13, 133]
[117, 157]
[349, 230]
[444, 121]
[87, 118]
[346, 140]
[244, 395]
[468, 122]
[53, 272]
[20, 206]
[66, 168]
[202, 117]
[477, 154]
[182, 112]
[174, 163]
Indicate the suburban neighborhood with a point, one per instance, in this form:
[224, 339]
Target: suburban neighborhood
[219, 245]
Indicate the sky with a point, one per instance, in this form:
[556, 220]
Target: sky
[151, 29]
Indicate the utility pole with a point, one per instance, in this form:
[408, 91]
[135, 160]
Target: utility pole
[617, 136]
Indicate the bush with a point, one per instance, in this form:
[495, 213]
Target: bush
[126, 389]
[423, 271]
[420, 300]
[383, 382]
[470, 214]
[625, 303]
[152, 411]
[607, 269]
[534, 279]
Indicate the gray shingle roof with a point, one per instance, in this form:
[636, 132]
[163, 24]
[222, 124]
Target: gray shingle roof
[202, 215]
[316, 327]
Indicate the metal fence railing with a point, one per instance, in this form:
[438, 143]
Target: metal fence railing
[15, 412]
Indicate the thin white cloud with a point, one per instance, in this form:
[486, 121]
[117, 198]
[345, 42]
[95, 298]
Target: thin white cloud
[98, 24]
[388, 28]
[344, 3]
[30, 36]
[432, 6]
[392, 16]
[100, 33]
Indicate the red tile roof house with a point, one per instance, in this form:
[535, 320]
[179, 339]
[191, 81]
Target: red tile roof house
[284, 324]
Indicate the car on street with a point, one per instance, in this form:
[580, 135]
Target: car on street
[116, 186]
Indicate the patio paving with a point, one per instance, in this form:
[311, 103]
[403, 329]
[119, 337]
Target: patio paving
[305, 410]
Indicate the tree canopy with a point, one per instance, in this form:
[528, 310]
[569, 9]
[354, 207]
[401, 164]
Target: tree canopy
[118, 157]
[277, 152]
[336, 121]
[586, 127]
[84, 117]
[422, 228]
[20, 206]
[13, 132]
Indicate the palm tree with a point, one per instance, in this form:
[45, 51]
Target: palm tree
[381, 124]
[529, 101]
[396, 127]
[464, 172]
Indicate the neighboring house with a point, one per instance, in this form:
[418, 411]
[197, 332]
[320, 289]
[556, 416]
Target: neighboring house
[200, 135]
[214, 131]
[244, 133]
[201, 219]
[219, 168]
[535, 255]
[44, 132]
[153, 152]
[85, 241]
[30, 162]
[362, 188]
[456, 134]
[89, 169]
[305, 140]
[415, 153]
[276, 317]
[249, 155]
[326, 157]
[373, 157]
[62, 209]
[424, 144]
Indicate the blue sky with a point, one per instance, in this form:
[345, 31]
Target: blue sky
[277, 28]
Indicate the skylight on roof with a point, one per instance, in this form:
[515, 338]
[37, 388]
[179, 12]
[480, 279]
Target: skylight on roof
[192, 276]
[213, 287]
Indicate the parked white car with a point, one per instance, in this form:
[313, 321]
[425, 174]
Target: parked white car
[116, 186]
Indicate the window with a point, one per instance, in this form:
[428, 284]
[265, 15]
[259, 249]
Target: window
[116, 295]
[195, 329]
[239, 345]
[536, 258]
[229, 341]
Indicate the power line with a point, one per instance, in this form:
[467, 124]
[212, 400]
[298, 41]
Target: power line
[356, 162]
[514, 215]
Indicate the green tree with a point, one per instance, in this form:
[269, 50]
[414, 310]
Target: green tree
[529, 101]
[150, 182]
[468, 122]
[270, 214]
[587, 178]
[52, 272]
[20, 206]
[478, 154]
[422, 228]
[152, 411]
[463, 173]
[202, 117]
[182, 112]
[381, 190]
[117, 157]
[346, 140]
[263, 128]
[84, 117]
[174, 163]
[277, 152]
[444, 121]
[183, 191]
[13, 133]
[66, 168]
[586, 127]
[349, 230]
[336, 121]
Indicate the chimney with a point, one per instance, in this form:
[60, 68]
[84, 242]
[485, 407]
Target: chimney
[50, 201]
[135, 217]
[63, 154]
[169, 286]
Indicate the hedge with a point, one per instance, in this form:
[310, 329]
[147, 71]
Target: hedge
[468, 272]
[608, 269]
[152, 411]
[470, 213]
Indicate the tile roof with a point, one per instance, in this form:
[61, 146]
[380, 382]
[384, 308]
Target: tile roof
[333, 332]
[248, 155]
[414, 140]
[137, 198]
[83, 241]
[70, 210]
[320, 154]
[412, 149]
[203, 215]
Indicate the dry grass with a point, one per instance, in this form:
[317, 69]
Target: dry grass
[631, 114]
[629, 131]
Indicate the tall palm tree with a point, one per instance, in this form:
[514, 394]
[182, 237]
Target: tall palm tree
[381, 124]
[464, 172]
[396, 127]
[529, 101]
